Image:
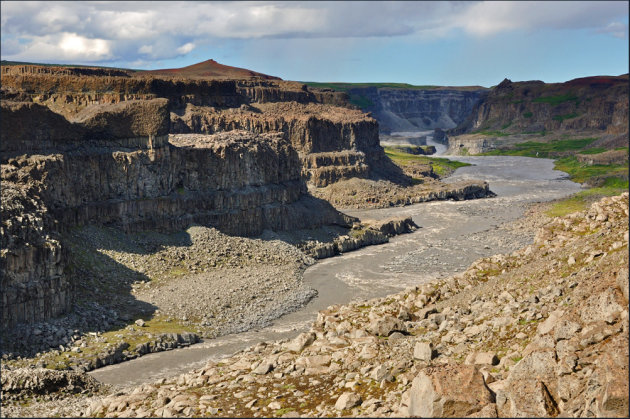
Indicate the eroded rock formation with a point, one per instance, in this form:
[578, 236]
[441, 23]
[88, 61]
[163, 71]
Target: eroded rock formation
[115, 165]
[399, 109]
[313, 120]
[590, 103]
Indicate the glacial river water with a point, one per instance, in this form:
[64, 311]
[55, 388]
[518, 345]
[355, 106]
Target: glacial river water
[451, 236]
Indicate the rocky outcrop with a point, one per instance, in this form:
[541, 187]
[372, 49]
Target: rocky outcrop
[399, 109]
[27, 382]
[114, 165]
[362, 193]
[140, 152]
[591, 103]
[34, 129]
[334, 143]
[607, 157]
[472, 144]
[68, 94]
[313, 120]
[360, 236]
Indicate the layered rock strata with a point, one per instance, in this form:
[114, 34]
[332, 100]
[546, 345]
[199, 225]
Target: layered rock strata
[399, 109]
[334, 143]
[591, 103]
[116, 166]
[313, 120]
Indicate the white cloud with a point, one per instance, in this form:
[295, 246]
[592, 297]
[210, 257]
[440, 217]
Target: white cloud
[493, 17]
[186, 48]
[146, 49]
[64, 46]
[74, 45]
[616, 29]
[131, 31]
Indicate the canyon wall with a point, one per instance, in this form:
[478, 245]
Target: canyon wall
[417, 109]
[117, 165]
[334, 143]
[314, 121]
[591, 104]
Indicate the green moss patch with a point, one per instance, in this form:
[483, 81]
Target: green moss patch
[441, 167]
[556, 99]
[540, 149]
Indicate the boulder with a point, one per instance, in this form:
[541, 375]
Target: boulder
[601, 306]
[423, 351]
[448, 391]
[531, 388]
[386, 325]
[566, 329]
[548, 325]
[482, 358]
[347, 401]
[300, 342]
[529, 399]
[263, 368]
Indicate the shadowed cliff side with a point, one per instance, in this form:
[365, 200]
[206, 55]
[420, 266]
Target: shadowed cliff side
[114, 165]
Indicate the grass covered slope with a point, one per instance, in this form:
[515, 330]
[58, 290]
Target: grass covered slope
[591, 103]
[441, 167]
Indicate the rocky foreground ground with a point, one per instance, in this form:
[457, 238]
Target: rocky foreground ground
[539, 332]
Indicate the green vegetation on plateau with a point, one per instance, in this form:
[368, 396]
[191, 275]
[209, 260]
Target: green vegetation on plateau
[361, 101]
[539, 149]
[441, 166]
[5, 62]
[492, 133]
[581, 200]
[583, 173]
[566, 116]
[556, 100]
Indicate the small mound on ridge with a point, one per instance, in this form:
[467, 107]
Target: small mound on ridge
[210, 68]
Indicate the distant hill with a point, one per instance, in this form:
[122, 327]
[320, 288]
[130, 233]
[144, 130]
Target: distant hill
[209, 68]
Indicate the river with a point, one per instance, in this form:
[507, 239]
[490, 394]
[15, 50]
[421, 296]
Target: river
[451, 236]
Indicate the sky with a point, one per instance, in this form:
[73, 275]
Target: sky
[459, 43]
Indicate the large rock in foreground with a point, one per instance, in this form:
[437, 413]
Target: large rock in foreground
[448, 391]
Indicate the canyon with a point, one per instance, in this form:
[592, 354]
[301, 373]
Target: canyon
[146, 211]
[414, 108]
[138, 151]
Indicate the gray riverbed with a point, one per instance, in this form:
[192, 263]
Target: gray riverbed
[452, 235]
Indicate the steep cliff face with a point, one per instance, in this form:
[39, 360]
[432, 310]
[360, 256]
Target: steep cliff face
[313, 120]
[116, 165]
[334, 143]
[68, 94]
[592, 103]
[417, 109]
